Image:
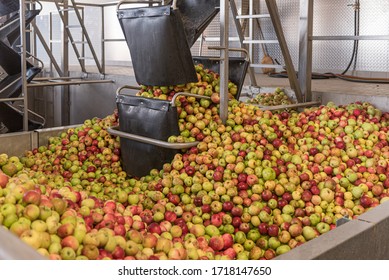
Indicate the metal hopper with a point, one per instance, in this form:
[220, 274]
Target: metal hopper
[144, 128]
[159, 50]
[196, 16]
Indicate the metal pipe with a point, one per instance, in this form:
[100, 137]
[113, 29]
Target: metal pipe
[224, 31]
[54, 78]
[30, 112]
[42, 66]
[305, 49]
[85, 33]
[127, 87]
[23, 58]
[259, 65]
[163, 144]
[275, 17]
[47, 48]
[253, 16]
[114, 40]
[33, 85]
[10, 84]
[239, 30]
[102, 40]
[243, 50]
[251, 30]
[136, 2]
[288, 106]
[201, 43]
[350, 38]
[260, 42]
[11, 99]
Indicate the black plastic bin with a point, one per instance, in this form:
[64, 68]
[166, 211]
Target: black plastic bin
[196, 16]
[158, 45]
[144, 128]
[150, 118]
[237, 67]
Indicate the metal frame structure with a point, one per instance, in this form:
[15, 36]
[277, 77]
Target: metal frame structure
[42, 82]
[301, 86]
[306, 38]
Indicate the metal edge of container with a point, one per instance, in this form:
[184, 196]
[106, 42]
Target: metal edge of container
[12, 248]
[364, 238]
[17, 143]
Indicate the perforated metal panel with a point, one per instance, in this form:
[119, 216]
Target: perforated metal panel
[335, 18]
[331, 18]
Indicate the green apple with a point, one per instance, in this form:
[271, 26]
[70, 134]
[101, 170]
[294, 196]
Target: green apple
[39, 225]
[357, 192]
[322, 227]
[91, 238]
[9, 220]
[111, 244]
[309, 233]
[274, 243]
[90, 251]
[32, 238]
[31, 211]
[68, 253]
[212, 230]
[45, 240]
[80, 232]
[88, 202]
[55, 248]
[19, 227]
[314, 219]
[132, 248]
[120, 241]
[7, 209]
[52, 224]
[282, 249]
[45, 212]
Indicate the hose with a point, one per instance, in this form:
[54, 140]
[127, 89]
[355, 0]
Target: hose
[353, 59]
[354, 55]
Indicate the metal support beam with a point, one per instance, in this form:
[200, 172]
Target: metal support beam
[275, 17]
[85, 33]
[349, 38]
[47, 49]
[224, 26]
[23, 58]
[239, 30]
[67, 83]
[62, 100]
[103, 39]
[305, 48]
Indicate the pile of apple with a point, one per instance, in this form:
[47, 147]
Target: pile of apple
[208, 84]
[254, 187]
[278, 97]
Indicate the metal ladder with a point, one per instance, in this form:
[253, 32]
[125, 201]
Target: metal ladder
[248, 43]
[63, 8]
